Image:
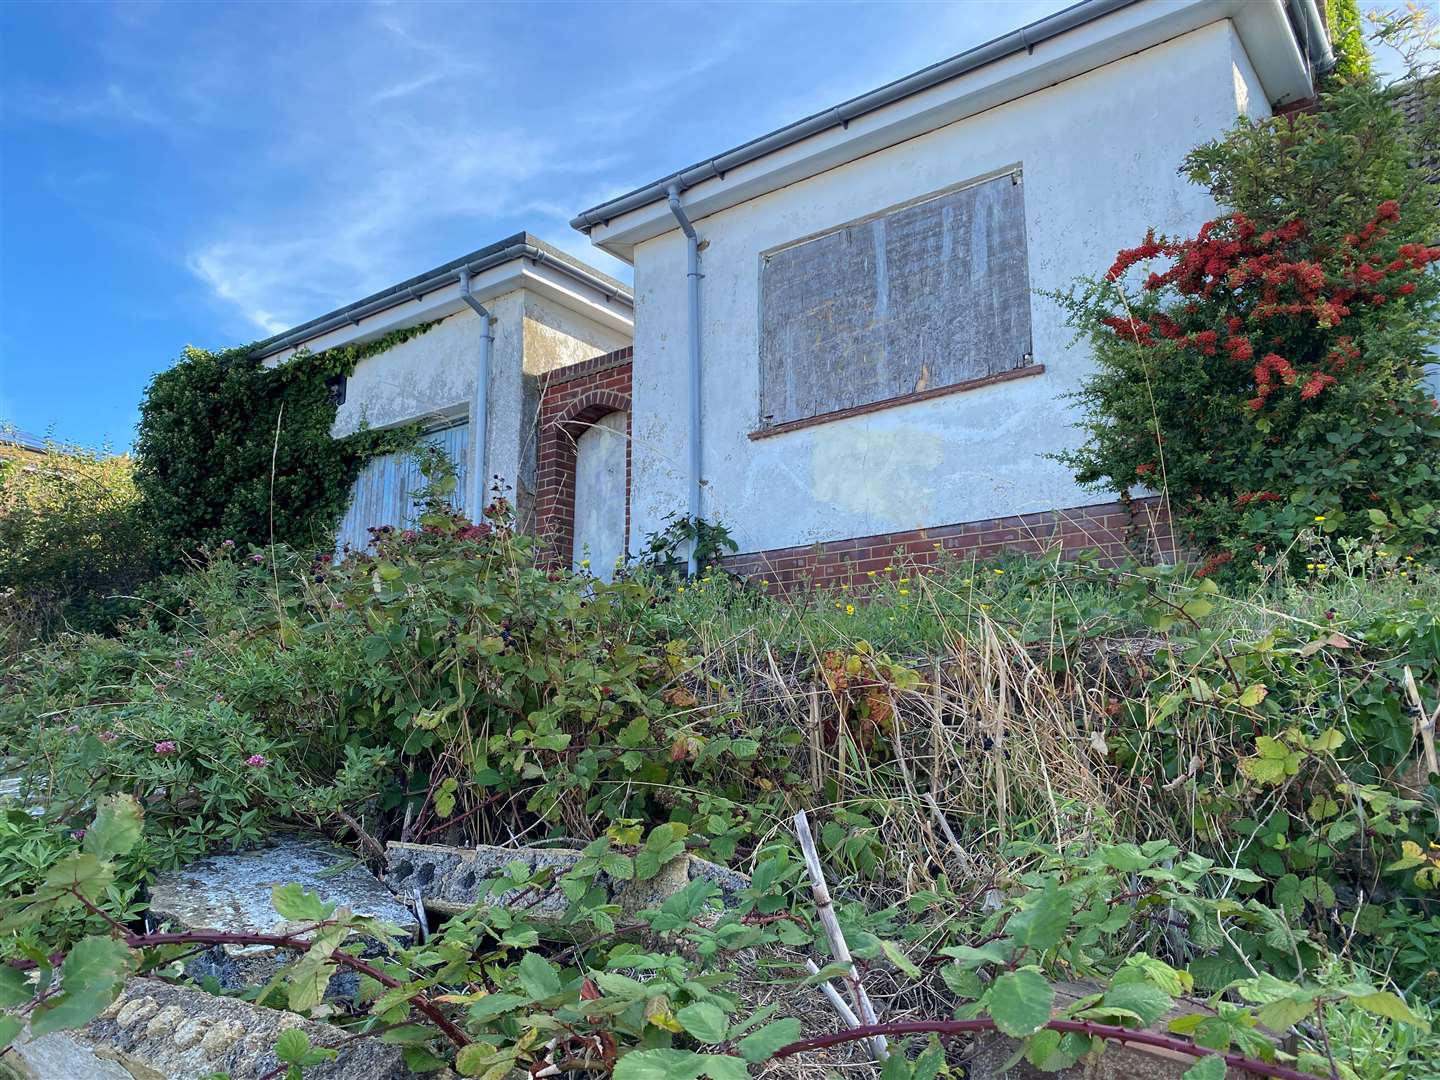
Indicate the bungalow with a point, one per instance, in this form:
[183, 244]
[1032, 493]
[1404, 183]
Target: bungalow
[845, 341]
[508, 318]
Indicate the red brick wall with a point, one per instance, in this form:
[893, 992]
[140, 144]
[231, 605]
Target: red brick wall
[575, 397]
[1116, 531]
[571, 400]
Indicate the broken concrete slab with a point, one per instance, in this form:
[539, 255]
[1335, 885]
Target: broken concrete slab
[156, 1031]
[1118, 1062]
[233, 892]
[449, 878]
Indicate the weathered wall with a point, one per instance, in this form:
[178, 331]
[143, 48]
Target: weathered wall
[432, 377]
[553, 337]
[600, 477]
[1099, 154]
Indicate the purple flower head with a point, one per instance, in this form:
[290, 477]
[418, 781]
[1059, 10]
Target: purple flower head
[73, 729]
[257, 558]
[257, 761]
[228, 544]
[77, 834]
[107, 736]
[165, 746]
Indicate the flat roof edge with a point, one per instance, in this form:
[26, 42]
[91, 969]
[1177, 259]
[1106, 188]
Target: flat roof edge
[1025, 38]
[522, 245]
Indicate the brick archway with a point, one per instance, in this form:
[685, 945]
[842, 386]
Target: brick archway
[571, 402]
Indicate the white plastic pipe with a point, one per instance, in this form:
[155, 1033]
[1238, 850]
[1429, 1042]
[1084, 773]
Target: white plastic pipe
[476, 475]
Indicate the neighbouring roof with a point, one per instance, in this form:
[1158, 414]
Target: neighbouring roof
[23, 439]
[1024, 39]
[1419, 100]
[522, 245]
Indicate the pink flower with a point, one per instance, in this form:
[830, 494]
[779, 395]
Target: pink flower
[165, 746]
[73, 729]
[228, 544]
[107, 736]
[77, 834]
[257, 761]
[257, 558]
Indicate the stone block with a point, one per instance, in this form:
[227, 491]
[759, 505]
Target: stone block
[156, 1031]
[449, 878]
[232, 892]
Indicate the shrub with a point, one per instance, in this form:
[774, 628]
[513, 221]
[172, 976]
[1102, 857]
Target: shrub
[74, 538]
[1269, 375]
[229, 449]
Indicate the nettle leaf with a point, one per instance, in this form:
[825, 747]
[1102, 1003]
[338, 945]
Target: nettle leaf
[1043, 921]
[1020, 1002]
[539, 977]
[617, 865]
[1210, 1067]
[1049, 1051]
[992, 952]
[116, 828]
[660, 1064]
[294, 903]
[706, 1022]
[293, 1048]
[90, 979]
[760, 1045]
[310, 975]
[15, 988]
[493, 1005]
[1384, 1003]
[445, 796]
[1137, 996]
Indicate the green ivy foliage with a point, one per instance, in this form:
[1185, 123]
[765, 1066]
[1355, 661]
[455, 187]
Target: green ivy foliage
[1347, 39]
[229, 449]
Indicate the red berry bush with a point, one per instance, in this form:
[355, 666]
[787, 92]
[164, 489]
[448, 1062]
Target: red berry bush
[1268, 373]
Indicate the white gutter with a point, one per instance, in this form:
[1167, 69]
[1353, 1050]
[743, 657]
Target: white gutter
[479, 406]
[692, 274]
[416, 291]
[1028, 61]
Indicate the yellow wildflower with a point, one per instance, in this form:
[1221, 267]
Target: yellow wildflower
[849, 609]
[1319, 517]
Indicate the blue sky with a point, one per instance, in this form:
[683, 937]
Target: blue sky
[208, 174]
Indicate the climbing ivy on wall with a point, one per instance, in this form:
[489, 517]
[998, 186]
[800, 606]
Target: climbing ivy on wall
[1347, 40]
[216, 426]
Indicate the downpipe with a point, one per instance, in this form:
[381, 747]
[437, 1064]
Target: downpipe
[693, 275]
[479, 405]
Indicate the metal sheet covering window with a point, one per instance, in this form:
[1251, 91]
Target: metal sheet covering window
[929, 295]
[384, 492]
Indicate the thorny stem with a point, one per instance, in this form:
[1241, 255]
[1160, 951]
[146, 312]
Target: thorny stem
[1083, 1027]
[421, 1003]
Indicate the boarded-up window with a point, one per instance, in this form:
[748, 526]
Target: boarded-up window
[927, 296]
[384, 492]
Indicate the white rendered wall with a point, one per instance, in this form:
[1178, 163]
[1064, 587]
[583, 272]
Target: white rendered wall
[600, 495]
[1099, 155]
[432, 377]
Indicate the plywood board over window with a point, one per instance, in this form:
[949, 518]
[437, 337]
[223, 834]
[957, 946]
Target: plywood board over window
[933, 294]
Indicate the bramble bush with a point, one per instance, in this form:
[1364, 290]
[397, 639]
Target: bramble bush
[229, 449]
[1268, 375]
[74, 536]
